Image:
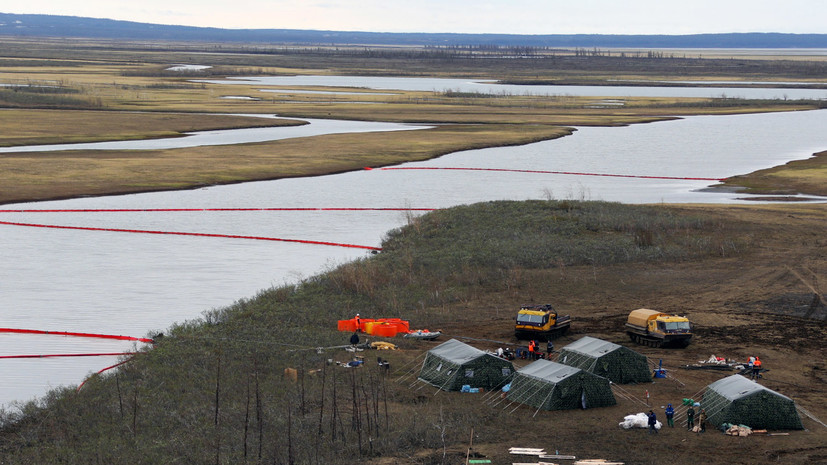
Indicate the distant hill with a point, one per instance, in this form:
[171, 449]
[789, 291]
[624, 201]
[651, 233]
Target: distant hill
[71, 26]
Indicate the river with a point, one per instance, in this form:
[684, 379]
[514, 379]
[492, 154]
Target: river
[492, 87]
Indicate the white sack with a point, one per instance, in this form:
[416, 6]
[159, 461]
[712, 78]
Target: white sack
[640, 420]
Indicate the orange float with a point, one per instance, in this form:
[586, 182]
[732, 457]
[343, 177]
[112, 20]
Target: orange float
[382, 327]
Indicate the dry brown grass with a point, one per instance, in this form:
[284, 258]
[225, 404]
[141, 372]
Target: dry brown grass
[796, 176]
[36, 127]
[49, 175]
[143, 101]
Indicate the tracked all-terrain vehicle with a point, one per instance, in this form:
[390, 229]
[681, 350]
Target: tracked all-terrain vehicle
[656, 329]
[540, 322]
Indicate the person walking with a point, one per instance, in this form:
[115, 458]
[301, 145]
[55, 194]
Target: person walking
[549, 349]
[690, 418]
[670, 413]
[702, 417]
[756, 368]
[384, 365]
[653, 421]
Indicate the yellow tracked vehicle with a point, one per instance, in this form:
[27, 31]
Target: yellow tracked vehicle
[656, 329]
[540, 322]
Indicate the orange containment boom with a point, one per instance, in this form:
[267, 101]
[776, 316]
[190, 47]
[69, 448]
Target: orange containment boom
[66, 333]
[102, 370]
[108, 354]
[382, 327]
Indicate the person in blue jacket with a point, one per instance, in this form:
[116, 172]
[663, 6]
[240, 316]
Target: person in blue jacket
[670, 412]
[653, 421]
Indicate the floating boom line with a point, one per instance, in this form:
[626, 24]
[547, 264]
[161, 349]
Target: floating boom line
[571, 173]
[180, 233]
[75, 334]
[100, 354]
[241, 209]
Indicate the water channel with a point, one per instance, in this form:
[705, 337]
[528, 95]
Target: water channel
[135, 284]
[491, 87]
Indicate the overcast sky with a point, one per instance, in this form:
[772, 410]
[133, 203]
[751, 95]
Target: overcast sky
[464, 16]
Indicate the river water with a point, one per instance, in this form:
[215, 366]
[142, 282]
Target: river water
[491, 87]
[135, 284]
[226, 136]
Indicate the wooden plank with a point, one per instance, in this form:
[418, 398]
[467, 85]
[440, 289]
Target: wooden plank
[526, 451]
[558, 457]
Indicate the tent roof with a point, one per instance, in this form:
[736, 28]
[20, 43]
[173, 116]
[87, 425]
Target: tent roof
[592, 347]
[456, 351]
[737, 387]
[548, 371]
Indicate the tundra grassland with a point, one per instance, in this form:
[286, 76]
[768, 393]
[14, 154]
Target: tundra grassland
[260, 381]
[220, 388]
[84, 91]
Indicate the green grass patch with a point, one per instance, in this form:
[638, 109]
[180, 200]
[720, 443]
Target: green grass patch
[43, 97]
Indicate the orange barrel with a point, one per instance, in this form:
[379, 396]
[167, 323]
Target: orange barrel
[385, 330]
[363, 323]
[369, 326]
[347, 325]
[403, 325]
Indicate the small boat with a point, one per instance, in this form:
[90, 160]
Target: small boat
[423, 334]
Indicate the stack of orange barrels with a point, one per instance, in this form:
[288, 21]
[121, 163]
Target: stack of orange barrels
[382, 327]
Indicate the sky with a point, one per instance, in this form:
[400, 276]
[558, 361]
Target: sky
[458, 16]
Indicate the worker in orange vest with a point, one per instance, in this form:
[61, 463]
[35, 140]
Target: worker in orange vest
[358, 323]
[756, 368]
[532, 347]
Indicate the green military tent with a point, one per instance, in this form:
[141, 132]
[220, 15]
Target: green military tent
[454, 364]
[740, 401]
[620, 364]
[553, 386]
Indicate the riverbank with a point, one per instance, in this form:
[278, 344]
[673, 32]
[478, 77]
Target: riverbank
[807, 177]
